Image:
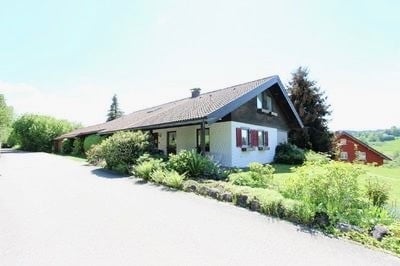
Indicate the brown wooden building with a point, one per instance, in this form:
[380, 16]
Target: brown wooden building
[352, 149]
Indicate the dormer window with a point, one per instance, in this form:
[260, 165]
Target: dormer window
[264, 101]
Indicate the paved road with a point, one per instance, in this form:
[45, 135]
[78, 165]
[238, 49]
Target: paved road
[56, 211]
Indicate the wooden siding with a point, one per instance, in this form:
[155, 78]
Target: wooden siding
[247, 113]
[351, 147]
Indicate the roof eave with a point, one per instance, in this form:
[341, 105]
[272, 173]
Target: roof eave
[218, 114]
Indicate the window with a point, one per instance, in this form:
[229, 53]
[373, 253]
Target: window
[242, 137]
[343, 142]
[343, 155]
[264, 101]
[361, 156]
[245, 137]
[207, 143]
[262, 137]
[251, 138]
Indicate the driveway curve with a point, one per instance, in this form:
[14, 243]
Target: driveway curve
[57, 211]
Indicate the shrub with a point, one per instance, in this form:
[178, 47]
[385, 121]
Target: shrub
[158, 176]
[330, 188]
[314, 157]
[66, 146]
[173, 179]
[193, 164]
[77, 147]
[121, 150]
[146, 167]
[258, 176]
[95, 155]
[90, 141]
[289, 154]
[377, 192]
[37, 132]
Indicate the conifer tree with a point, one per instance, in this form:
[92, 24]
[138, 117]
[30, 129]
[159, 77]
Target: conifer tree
[114, 111]
[311, 104]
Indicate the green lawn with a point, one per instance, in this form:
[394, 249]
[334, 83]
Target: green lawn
[389, 148]
[390, 176]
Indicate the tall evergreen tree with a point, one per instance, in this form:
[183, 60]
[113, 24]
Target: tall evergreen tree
[114, 111]
[311, 104]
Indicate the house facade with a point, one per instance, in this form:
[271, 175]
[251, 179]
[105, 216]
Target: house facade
[235, 126]
[352, 149]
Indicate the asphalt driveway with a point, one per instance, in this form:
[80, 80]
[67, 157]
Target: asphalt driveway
[56, 211]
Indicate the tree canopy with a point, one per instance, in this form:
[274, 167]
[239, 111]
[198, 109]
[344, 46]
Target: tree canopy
[6, 116]
[114, 111]
[36, 132]
[311, 104]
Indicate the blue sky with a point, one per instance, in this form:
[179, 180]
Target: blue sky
[67, 58]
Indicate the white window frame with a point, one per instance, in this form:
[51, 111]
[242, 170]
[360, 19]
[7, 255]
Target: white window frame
[343, 141]
[344, 155]
[266, 99]
[361, 156]
[245, 137]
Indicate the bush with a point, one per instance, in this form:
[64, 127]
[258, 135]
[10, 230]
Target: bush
[193, 164]
[90, 141]
[77, 147]
[95, 155]
[314, 157]
[377, 192]
[146, 167]
[121, 150]
[173, 179]
[158, 176]
[289, 154]
[257, 176]
[169, 178]
[37, 132]
[330, 188]
[66, 146]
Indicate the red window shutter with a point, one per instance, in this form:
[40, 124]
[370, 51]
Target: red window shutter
[266, 138]
[238, 137]
[255, 138]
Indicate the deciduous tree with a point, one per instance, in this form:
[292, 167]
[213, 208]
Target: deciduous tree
[6, 116]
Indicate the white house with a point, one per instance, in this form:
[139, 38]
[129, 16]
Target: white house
[235, 125]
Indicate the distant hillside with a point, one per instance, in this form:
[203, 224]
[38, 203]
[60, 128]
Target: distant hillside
[379, 135]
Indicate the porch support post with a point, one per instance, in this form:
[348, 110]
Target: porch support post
[203, 137]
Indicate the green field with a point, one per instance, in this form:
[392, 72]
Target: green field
[388, 175]
[389, 148]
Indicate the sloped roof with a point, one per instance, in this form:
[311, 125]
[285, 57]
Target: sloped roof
[209, 107]
[358, 141]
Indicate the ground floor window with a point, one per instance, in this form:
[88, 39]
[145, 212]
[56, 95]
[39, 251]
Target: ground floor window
[343, 155]
[207, 142]
[361, 156]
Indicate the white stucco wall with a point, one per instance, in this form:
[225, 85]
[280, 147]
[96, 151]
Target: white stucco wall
[243, 158]
[223, 143]
[220, 140]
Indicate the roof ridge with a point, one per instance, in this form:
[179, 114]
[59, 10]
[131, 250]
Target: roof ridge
[202, 94]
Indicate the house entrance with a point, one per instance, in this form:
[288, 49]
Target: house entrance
[171, 142]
